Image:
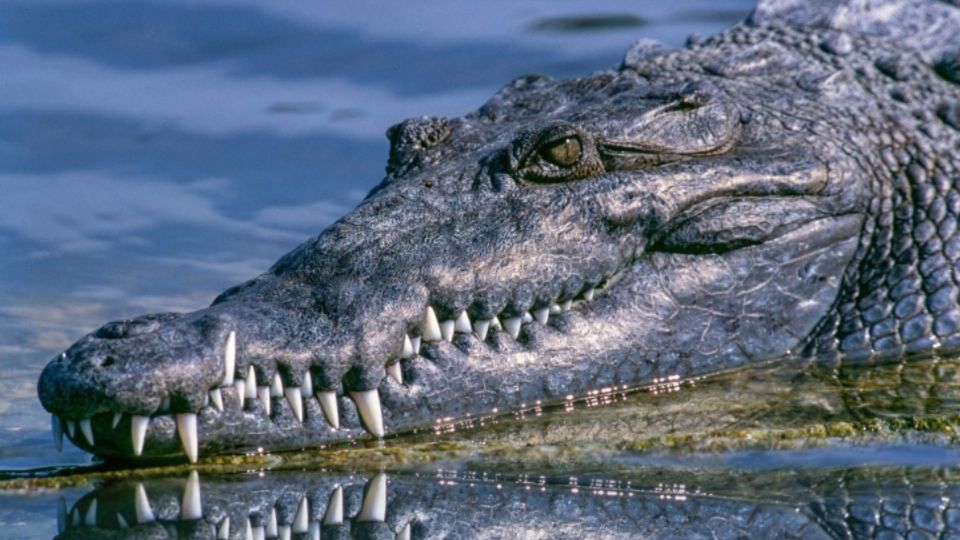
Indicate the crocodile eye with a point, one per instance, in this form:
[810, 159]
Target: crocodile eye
[559, 153]
[564, 152]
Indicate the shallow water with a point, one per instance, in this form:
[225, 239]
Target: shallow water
[152, 155]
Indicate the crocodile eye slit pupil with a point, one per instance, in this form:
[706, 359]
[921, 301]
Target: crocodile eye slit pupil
[564, 152]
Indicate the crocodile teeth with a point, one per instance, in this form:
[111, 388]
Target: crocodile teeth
[334, 513]
[375, 502]
[295, 399]
[328, 402]
[481, 327]
[495, 323]
[555, 309]
[301, 522]
[142, 505]
[216, 397]
[187, 429]
[90, 518]
[122, 522]
[229, 359]
[87, 429]
[393, 370]
[224, 532]
[446, 330]
[566, 305]
[588, 295]
[430, 329]
[276, 389]
[404, 533]
[462, 324]
[512, 326]
[263, 393]
[306, 389]
[57, 429]
[240, 387]
[190, 506]
[138, 432]
[406, 351]
[283, 532]
[542, 315]
[71, 428]
[527, 317]
[251, 387]
[415, 341]
[116, 420]
[368, 404]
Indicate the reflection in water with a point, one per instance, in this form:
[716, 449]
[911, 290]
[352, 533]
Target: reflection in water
[896, 502]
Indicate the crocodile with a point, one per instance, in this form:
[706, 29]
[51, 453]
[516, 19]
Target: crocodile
[787, 188]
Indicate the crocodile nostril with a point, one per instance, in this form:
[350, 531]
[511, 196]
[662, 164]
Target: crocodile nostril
[107, 362]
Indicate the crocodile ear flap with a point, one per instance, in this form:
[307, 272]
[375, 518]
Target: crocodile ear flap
[765, 58]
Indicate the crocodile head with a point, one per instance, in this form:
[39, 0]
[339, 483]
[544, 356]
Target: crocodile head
[663, 220]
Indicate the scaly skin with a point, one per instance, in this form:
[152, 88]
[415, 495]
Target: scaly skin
[786, 187]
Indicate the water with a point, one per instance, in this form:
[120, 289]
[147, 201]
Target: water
[153, 154]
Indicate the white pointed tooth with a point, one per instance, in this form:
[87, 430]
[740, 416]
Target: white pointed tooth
[263, 393]
[406, 350]
[116, 420]
[229, 359]
[284, 533]
[301, 521]
[206, 400]
[272, 524]
[314, 531]
[555, 309]
[216, 397]
[295, 399]
[251, 388]
[122, 522]
[462, 324]
[240, 387]
[415, 341]
[57, 429]
[138, 432]
[248, 531]
[334, 514]
[527, 317]
[542, 315]
[430, 328]
[588, 295]
[187, 429]
[512, 326]
[90, 518]
[368, 404]
[306, 389]
[481, 327]
[87, 429]
[142, 505]
[259, 533]
[375, 501]
[71, 427]
[393, 370]
[61, 516]
[328, 402]
[446, 330]
[566, 305]
[404, 533]
[276, 388]
[495, 323]
[190, 505]
[224, 531]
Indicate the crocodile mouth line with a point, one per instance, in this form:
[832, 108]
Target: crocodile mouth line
[257, 396]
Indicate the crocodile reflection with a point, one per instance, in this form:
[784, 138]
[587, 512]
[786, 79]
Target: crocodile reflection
[897, 502]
